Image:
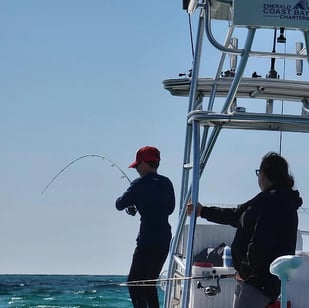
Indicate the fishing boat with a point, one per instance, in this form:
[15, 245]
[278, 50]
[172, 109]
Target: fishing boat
[235, 98]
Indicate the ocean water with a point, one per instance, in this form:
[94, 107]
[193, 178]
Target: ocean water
[64, 291]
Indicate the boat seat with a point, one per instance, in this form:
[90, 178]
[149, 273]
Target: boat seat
[297, 286]
[210, 236]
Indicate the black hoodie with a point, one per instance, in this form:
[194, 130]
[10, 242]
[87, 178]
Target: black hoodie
[266, 229]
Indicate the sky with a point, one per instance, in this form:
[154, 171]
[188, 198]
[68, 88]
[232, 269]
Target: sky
[85, 77]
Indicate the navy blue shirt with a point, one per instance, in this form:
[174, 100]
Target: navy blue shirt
[154, 197]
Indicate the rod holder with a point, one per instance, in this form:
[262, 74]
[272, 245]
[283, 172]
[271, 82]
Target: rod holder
[299, 63]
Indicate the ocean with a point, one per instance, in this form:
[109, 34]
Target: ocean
[64, 291]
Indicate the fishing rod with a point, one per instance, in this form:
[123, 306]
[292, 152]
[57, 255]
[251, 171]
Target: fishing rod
[142, 283]
[113, 164]
[154, 282]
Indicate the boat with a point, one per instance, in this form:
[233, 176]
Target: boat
[235, 98]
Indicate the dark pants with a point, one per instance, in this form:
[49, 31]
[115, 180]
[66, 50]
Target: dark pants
[146, 264]
[249, 296]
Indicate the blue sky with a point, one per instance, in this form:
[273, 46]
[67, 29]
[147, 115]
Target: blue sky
[85, 77]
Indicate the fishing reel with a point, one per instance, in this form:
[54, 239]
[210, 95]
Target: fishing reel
[210, 290]
[131, 210]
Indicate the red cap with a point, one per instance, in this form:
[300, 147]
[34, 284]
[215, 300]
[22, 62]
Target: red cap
[146, 153]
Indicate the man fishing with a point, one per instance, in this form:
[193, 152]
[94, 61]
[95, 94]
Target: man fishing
[152, 196]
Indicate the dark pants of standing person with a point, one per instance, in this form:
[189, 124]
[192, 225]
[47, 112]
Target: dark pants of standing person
[248, 296]
[146, 264]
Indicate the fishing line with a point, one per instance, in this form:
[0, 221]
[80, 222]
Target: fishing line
[113, 164]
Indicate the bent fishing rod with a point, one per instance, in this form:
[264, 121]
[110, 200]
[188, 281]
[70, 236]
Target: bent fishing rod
[113, 164]
[130, 210]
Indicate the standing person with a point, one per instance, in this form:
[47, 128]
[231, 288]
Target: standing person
[266, 228]
[152, 195]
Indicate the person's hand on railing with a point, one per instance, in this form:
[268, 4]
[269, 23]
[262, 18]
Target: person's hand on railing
[190, 208]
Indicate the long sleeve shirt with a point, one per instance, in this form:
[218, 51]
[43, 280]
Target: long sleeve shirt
[266, 229]
[153, 195]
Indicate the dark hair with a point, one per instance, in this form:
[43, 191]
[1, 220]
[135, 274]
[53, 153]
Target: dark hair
[276, 169]
[153, 164]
